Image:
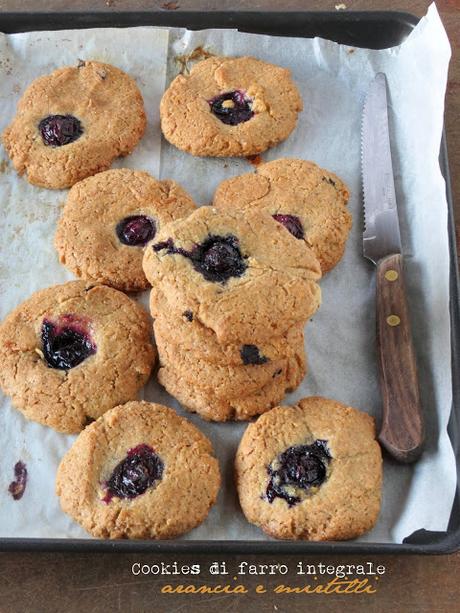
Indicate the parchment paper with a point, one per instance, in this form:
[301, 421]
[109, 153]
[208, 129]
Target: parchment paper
[340, 340]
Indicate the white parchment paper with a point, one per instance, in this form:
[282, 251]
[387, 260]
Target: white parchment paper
[340, 340]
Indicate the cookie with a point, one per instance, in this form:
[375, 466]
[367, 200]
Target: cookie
[243, 407]
[189, 336]
[139, 471]
[71, 352]
[109, 218]
[73, 123]
[307, 200]
[230, 106]
[242, 276]
[312, 471]
[219, 380]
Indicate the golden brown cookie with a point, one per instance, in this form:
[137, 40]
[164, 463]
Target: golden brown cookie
[230, 106]
[140, 471]
[312, 471]
[71, 352]
[242, 407]
[307, 200]
[73, 123]
[189, 336]
[109, 218]
[242, 276]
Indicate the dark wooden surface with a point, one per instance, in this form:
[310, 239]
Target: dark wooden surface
[103, 582]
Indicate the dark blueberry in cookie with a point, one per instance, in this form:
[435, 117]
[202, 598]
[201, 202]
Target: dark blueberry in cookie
[188, 315]
[135, 230]
[141, 468]
[298, 468]
[250, 355]
[232, 108]
[291, 223]
[18, 486]
[66, 342]
[217, 258]
[58, 130]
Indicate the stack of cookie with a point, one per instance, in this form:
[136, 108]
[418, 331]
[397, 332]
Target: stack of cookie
[230, 296]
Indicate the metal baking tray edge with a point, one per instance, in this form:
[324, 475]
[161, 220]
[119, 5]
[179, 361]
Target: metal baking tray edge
[371, 29]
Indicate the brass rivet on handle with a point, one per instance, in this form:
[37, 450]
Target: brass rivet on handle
[391, 275]
[393, 320]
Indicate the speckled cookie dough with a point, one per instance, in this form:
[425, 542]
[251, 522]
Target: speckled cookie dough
[140, 471]
[312, 471]
[243, 406]
[73, 123]
[242, 276]
[71, 352]
[109, 218]
[307, 200]
[230, 106]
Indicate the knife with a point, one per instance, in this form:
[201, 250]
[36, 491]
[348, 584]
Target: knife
[402, 429]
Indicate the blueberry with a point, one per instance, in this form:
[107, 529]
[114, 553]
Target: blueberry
[17, 487]
[250, 355]
[59, 130]
[135, 230]
[66, 343]
[298, 468]
[217, 258]
[232, 108]
[141, 468]
[291, 223]
[188, 315]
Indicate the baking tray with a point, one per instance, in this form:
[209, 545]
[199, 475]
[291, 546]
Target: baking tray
[374, 30]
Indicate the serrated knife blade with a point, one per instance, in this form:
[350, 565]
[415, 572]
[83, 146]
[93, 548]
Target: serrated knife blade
[402, 429]
[381, 236]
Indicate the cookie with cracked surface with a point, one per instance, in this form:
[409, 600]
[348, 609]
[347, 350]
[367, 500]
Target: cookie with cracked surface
[109, 218]
[222, 380]
[230, 106]
[188, 335]
[73, 123]
[244, 276]
[139, 471]
[73, 351]
[307, 200]
[243, 407]
[312, 471]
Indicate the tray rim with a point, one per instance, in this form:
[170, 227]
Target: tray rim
[444, 542]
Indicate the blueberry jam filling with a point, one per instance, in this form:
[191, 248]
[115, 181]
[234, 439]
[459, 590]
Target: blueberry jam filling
[135, 230]
[18, 486]
[66, 342]
[140, 470]
[232, 108]
[297, 470]
[59, 130]
[291, 223]
[217, 258]
[250, 354]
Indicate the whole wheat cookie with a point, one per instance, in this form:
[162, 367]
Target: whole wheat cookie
[219, 380]
[307, 200]
[109, 218]
[189, 336]
[242, 276]
[73, 123]
[71, 352]
[242, 407]
[139, 471]
[230, 106]
[312, 471]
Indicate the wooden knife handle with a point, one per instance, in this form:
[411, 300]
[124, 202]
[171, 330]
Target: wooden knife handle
[402, 431]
